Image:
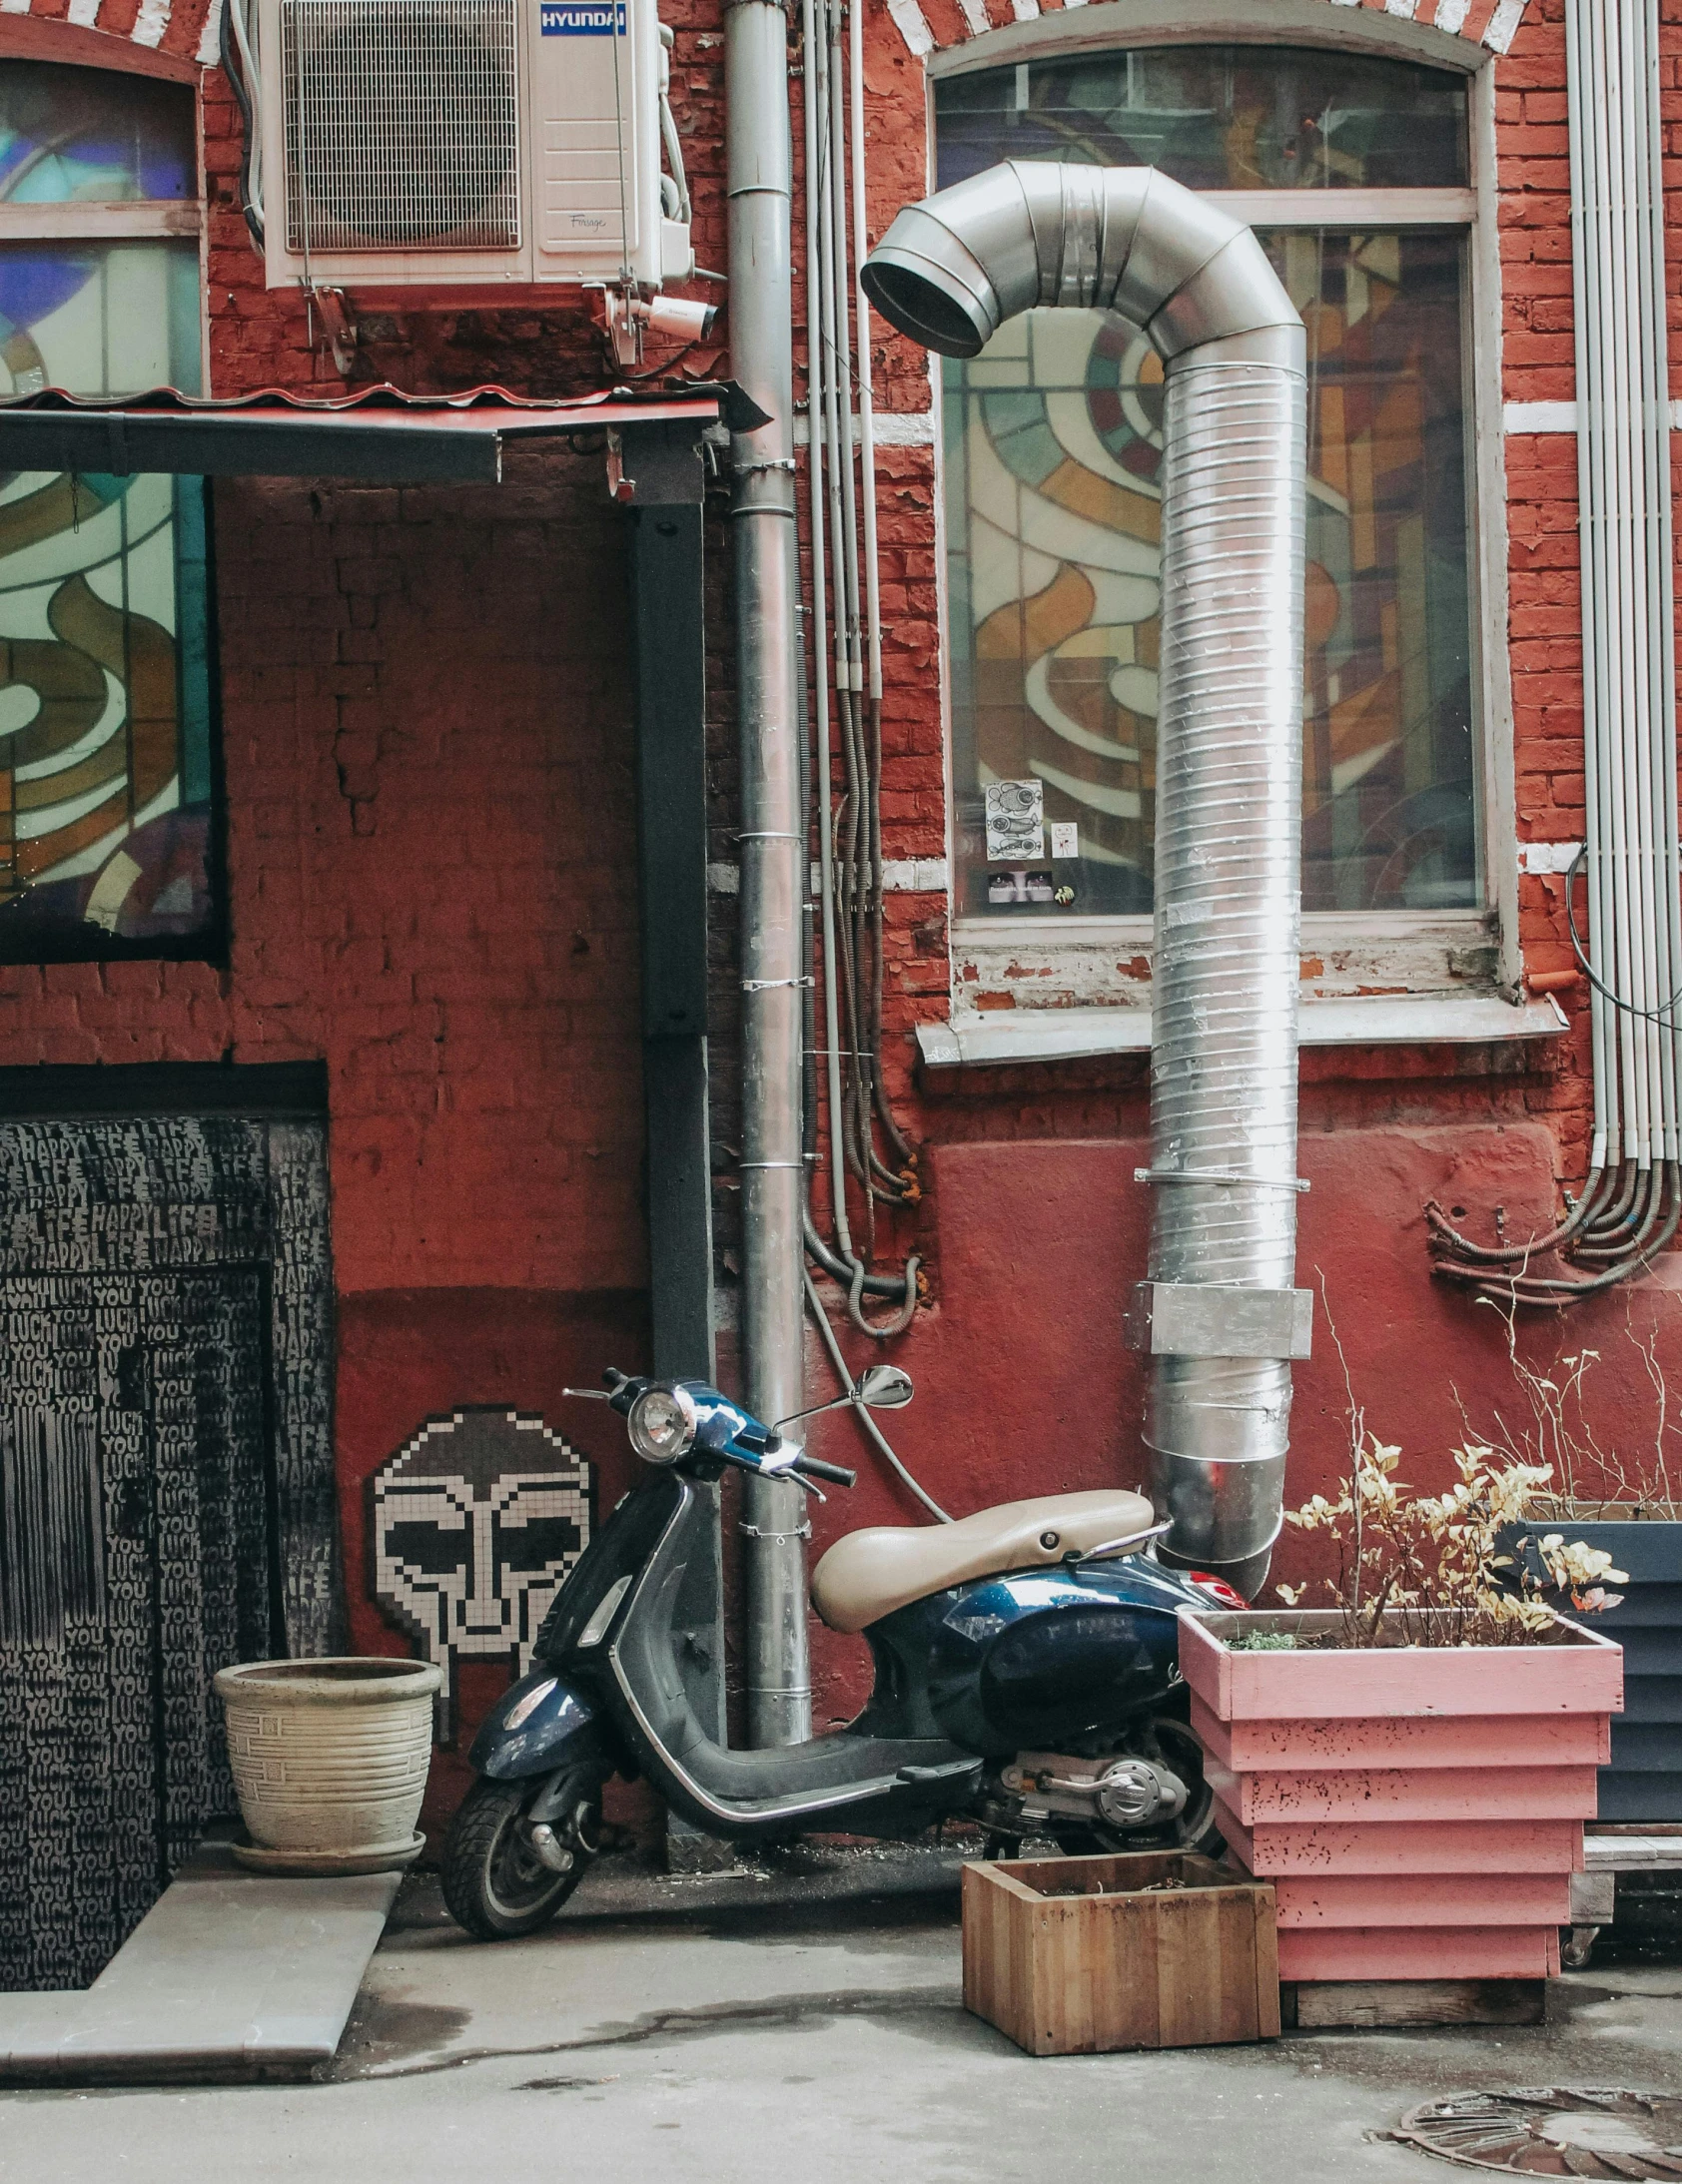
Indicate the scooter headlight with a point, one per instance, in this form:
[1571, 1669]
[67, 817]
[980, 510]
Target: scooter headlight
[662, 1424]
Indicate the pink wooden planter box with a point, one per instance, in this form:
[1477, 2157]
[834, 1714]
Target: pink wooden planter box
[1420, 1811]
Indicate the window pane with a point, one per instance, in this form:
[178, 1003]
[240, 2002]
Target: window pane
[1052, 499]
[1389, 801]
[105, 776]
[76, 133]
[1053, 448]
[1216, 117]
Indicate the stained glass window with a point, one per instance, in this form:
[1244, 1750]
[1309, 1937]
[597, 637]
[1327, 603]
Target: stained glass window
[105, 744]
[1052, 479]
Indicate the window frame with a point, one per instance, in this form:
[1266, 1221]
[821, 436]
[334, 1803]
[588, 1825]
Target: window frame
[27, 38]
[1031, 960]
[69, 45]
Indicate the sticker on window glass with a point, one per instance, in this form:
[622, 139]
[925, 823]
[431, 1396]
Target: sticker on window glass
[1065, 839]
[1005, 888]
[1016, 821]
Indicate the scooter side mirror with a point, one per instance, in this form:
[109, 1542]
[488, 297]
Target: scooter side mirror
[885, 1387]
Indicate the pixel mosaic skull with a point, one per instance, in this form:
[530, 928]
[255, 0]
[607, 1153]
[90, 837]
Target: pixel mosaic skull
[477, 1521]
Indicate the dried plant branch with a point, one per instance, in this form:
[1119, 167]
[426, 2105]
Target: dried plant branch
[1459, 1563]
[1591, 1481]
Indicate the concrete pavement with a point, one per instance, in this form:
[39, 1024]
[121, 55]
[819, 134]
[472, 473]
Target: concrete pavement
[800, 2029]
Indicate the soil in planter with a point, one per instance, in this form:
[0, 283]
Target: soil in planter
[1335, 1642]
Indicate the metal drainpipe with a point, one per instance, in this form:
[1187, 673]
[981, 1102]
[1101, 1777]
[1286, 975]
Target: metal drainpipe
[759, 183]
[949, 272]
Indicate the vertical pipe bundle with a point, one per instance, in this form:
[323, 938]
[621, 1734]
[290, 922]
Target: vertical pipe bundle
[1632, 949]
[848, 672]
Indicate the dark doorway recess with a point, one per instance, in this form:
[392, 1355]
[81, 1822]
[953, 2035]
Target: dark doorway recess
[166, 1480]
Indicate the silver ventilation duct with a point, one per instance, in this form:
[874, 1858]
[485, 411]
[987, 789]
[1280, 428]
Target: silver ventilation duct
[1218, 1313]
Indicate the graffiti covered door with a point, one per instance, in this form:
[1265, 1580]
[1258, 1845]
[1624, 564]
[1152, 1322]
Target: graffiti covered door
[162, 1368]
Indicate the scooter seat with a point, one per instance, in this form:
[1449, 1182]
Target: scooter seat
[869, 1573]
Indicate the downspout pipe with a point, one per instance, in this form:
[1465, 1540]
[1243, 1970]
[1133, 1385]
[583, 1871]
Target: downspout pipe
[759, 182]
[1218, 1313]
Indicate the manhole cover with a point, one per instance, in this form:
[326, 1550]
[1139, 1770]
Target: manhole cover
[1554, 2130]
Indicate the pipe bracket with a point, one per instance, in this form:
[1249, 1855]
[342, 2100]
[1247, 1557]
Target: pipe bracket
[1217, 1175]
[1203, 1320]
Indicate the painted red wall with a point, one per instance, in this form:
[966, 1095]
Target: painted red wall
[427, 728]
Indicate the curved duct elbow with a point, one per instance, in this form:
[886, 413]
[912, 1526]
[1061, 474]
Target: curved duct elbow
[949, 272]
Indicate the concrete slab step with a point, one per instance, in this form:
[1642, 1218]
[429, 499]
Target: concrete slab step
[230, 1975]
[1631, 1852]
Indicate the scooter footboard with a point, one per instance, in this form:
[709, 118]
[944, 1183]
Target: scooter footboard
[538, 1724]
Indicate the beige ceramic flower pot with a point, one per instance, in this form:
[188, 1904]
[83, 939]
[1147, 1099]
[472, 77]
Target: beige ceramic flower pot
[330, 1759]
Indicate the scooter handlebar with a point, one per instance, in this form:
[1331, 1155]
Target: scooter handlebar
[836, 1474]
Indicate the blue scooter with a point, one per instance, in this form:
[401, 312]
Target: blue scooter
[1026, 1677]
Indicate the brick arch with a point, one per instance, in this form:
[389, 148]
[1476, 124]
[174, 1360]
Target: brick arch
[926, 25]
[187, 30]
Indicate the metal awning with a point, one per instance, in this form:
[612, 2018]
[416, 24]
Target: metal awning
[376, 435]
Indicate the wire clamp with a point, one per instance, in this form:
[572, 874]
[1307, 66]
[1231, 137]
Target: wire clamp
[773, 462]
[758, 1532]
[765, 985]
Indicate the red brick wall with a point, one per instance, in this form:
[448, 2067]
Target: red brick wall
[427, 729]
[1545, 653]
[430, 830]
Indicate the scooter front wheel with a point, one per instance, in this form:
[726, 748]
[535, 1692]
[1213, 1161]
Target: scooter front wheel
[494, 1882]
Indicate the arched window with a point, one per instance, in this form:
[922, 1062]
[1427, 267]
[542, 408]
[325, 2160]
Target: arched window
[104, 742]
[1354, 168]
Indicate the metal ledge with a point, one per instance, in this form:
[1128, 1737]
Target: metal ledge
[1004, 1035]
[377, 433]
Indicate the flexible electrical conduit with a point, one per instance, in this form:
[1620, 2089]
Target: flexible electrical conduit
[1632, 957]
[847, 673]
[949, 272]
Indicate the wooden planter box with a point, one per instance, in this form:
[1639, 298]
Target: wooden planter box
[1083, 1955]
[1418, 1810]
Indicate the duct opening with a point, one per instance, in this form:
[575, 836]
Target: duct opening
[949, 272]
[922, 301]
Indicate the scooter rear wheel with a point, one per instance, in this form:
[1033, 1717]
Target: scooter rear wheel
[493, 1880]
[1172, 1742]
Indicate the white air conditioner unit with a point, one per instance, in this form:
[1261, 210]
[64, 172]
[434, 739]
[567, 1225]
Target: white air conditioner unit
[462, 144]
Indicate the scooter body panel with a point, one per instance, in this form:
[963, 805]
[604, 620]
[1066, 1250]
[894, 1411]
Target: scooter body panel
[1036, 1658]
[538, 1724]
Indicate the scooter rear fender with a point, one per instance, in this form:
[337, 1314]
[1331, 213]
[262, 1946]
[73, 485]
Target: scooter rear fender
[557, 1726]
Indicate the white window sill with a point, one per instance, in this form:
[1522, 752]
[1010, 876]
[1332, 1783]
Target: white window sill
[1003, 1035]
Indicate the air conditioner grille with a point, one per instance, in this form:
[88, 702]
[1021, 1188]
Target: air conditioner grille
[401, 124]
